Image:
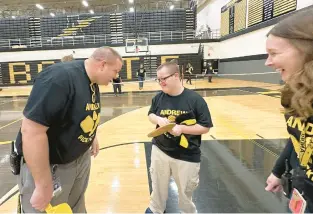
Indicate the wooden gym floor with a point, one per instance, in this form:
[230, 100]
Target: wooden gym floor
[237, 154]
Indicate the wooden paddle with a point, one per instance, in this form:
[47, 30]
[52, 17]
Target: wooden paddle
[161, 130]
[61, 208]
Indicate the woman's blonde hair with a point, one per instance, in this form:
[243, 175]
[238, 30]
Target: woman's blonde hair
[297, 94]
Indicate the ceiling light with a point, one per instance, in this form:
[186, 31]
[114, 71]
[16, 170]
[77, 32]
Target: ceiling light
[172, 7]
[91, 11]
[131, 10]
[13, 17]
[52, 14]
[85, 3]
[39, 6]
[131, 1]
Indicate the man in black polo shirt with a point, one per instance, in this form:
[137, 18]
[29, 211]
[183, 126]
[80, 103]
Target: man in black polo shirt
[176, 153]
[59, 128]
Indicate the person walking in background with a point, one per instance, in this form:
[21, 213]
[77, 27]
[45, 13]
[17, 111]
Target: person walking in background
[141, 74]
[209, 71]
[189, 70]
[117, 84]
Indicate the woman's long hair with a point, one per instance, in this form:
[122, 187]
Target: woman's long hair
[297, 93]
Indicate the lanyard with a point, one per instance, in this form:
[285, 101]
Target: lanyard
[305, 150]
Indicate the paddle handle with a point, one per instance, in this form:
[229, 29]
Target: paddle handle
[49, 208]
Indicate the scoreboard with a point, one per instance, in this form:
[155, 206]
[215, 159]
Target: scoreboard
[240, 14]
[233, 17]
[262, 10]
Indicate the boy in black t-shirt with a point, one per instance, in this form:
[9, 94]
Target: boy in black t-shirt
[59, 129]
[176, 153]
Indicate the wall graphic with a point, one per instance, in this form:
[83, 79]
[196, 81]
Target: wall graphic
[24, 72]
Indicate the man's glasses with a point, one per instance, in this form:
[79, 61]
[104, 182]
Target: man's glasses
[164, 78]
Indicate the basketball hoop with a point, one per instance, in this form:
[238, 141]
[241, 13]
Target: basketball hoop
[136, 45]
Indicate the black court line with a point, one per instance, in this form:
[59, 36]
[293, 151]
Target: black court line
[213, 137]
[120, 144]
[259, 136]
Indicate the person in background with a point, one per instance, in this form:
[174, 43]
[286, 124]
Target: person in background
[181, 71]
[176, 153]
[209, 71]
[117, 84]
[58, 134]
[141, 74]
[189, 70]
[290, 52]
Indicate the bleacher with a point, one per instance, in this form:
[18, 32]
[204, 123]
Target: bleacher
[99, 28]
[94, 30]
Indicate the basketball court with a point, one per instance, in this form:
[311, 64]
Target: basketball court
[237, 154]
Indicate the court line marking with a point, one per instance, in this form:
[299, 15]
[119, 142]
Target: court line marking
[121, 144]
[257, 93]
[5, 142]
[9, 195]
[2, 127]
[260, 136]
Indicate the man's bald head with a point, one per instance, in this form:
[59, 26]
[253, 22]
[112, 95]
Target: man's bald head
[103, 65]
[106, 54]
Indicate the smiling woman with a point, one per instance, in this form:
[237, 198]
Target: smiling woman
[290, 49]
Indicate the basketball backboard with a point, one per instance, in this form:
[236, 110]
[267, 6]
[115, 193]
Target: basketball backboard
[136, 45]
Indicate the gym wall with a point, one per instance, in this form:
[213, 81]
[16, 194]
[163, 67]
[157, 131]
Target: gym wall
[242, 49]
[24, 72]
[246, 54]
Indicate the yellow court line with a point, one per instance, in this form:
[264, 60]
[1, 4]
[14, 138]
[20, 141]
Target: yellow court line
[2, 127]
[270, 92]
[5, 142]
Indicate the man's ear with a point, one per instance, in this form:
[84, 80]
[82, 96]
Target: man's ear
[102, 64]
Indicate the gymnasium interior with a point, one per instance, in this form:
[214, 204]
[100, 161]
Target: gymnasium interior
[243, 95]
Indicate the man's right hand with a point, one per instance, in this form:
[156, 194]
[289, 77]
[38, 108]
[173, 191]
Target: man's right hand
[162, 121]
[273, 184]
[41, 197]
